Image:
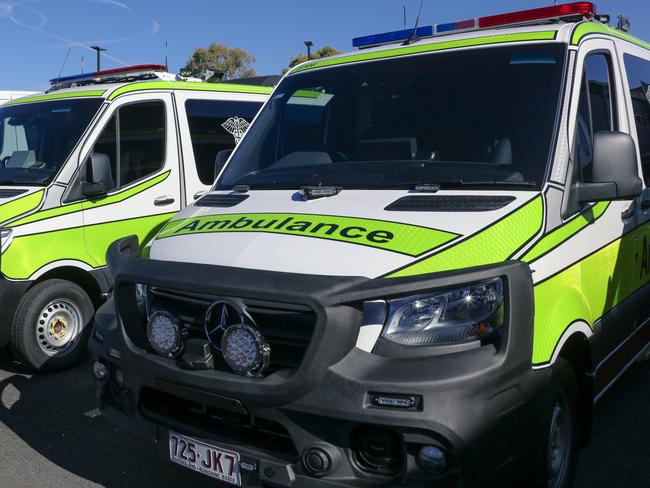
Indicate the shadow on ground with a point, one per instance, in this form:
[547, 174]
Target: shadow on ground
[47, 440]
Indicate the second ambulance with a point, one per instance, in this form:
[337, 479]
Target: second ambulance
[423, 265]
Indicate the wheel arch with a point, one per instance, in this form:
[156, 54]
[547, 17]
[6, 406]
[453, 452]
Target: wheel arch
[87, 280]
[577, 351]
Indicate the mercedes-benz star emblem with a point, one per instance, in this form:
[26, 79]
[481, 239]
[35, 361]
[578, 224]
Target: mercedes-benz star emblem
[231, 330]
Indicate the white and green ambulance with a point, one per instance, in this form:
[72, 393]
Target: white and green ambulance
[98, 156]
[424, 264]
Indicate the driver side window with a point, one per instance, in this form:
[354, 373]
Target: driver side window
[595, 111]
[134, 141]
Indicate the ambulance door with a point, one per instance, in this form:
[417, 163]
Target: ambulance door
[635, 63]
[138, 139]
[606, 280]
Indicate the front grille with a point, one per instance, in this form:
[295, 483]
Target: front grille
[288, 328]
[449, 203]
[220, 201]
[255, 431]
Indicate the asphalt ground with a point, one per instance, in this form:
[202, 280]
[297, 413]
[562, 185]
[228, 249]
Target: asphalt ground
[49, 437]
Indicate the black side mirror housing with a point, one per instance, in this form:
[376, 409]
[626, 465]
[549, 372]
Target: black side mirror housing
[99, 177]
[220, 161]
[615, 170]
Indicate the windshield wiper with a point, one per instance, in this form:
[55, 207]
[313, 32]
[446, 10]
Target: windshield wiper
[527, 184]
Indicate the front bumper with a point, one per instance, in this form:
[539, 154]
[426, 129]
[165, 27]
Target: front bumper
[476, 405]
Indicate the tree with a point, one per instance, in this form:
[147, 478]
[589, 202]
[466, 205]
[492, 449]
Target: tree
[232, 62]
[321, 53]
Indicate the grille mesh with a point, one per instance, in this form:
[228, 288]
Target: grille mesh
[9, 193]
[449, 203]
[220, 201]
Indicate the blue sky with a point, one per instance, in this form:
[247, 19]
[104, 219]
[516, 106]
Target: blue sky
[36, 34]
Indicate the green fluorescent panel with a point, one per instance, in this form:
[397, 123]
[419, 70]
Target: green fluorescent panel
[494, 244]
[390, 236]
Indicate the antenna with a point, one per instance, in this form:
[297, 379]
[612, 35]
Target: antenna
[414, 35]
[166, 56]
[82, 64]
[404, 14]
[64, 61]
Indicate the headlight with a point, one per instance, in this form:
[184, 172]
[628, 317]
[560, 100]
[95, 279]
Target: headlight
[473, 312]
[6, 236]
[164, 334]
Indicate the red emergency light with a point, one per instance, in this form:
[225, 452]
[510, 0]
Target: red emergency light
[584, 9]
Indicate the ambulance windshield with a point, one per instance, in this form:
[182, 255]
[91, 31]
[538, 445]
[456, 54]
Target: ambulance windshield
[37, 138]
[470, 117]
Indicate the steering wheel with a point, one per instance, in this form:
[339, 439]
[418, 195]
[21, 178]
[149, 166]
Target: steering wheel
[4, 161]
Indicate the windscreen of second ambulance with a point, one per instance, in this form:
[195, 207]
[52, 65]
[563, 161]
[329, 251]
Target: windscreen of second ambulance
[471, 117]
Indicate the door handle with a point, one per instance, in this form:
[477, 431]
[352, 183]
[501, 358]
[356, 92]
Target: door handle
[164, 200]
[628, 214]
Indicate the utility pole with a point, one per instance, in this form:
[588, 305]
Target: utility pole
[309, 44]
[98, 50]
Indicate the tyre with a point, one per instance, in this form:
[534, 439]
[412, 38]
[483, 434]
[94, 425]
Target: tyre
[557, 432]
[51, 326]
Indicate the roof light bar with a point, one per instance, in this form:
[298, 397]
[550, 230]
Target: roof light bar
[585, 10]
[111, 73]
[388, 37]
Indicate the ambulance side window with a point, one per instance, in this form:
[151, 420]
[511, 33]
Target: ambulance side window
[216, 125]
[595, 110]
[638, 76]
[134, 141]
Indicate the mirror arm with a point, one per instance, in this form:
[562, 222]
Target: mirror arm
[595, 192]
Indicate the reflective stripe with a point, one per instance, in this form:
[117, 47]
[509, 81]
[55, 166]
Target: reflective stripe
[28, 254]
[588, 28]
[585, 292]
[565, 232]
[494, 244]
[88, 205]
[190, 85]
[411, 240]
[20, 205]
[431, 47]
[57, 96]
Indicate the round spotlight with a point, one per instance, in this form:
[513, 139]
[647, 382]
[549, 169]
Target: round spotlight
[100, 370]
[245, 350]
[432, 459]
[163, 332]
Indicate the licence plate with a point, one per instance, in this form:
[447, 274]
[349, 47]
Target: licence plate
[204, 458]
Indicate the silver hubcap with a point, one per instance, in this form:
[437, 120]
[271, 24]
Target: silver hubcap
[58, 327]
[559, 446]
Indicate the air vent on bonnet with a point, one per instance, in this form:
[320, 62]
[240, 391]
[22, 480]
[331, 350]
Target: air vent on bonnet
[8, 193]
[449, 203]
[222, 201]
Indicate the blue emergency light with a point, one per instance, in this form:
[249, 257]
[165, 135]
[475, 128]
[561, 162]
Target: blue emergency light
[388, 37]
[585, 10]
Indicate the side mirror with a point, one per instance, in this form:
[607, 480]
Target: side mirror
[615, 170]
[220, 161]
[99, 178]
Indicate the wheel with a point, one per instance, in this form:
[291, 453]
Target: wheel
[51, 326]
[557, 432]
